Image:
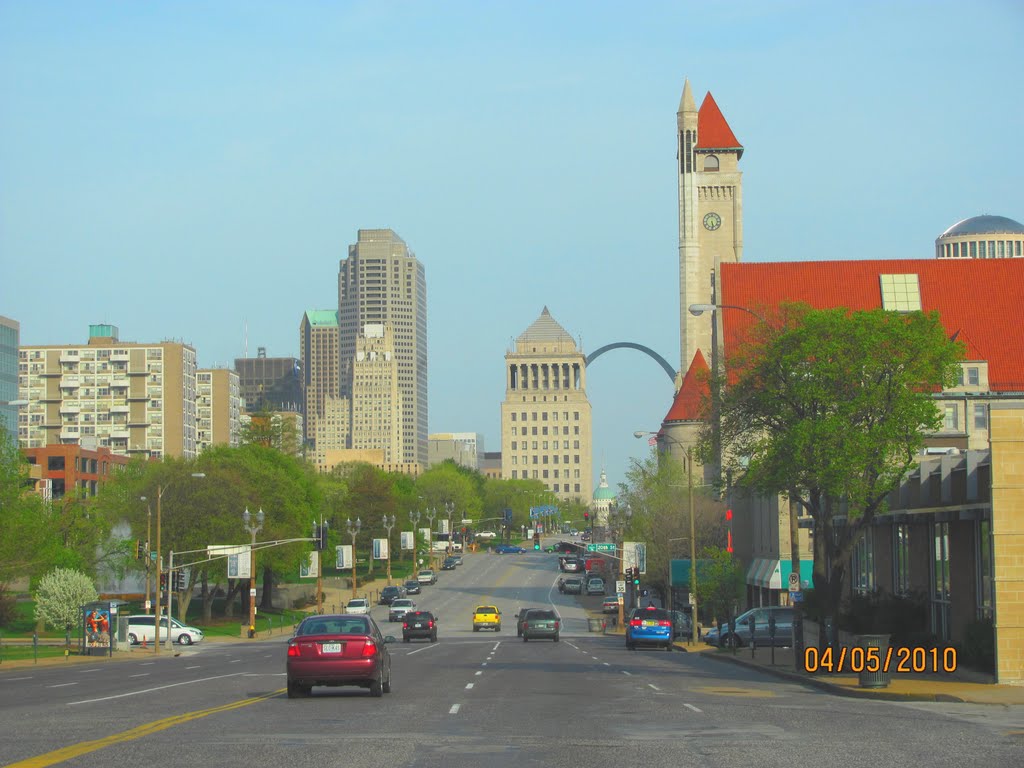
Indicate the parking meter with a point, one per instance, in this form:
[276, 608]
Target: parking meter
[732, 633]
[771, 627]
[753, 637]
[35, 647]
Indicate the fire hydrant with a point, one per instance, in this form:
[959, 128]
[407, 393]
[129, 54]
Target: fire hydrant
[252, 631]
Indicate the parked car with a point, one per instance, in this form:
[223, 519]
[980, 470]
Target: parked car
[610, 604]
[399, 607]
[595, 586]
[357, 605]
[649, 626]
[412, 587]
[741, 637]
[508, 549]
[541, 623]
[573, 586]
[390, 593]
[486, 535]
[457, 559]
[486, 617]
[419, 624]
[426, 576]
[338, 650]
[449, 564]
[142, 628]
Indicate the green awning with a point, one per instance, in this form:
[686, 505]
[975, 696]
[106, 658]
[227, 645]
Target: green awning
[680, 573]
[806, 573]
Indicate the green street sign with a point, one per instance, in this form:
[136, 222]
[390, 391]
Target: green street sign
[601, 547]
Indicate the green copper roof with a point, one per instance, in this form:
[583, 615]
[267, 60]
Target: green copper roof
[603, 492]
[322, 316]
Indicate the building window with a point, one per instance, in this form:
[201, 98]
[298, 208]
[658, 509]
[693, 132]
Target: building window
[940, 580]
[513, 477]
[980, 416]
[974, 250]
[575, 415]
[901, 559]
[986, 568]
[949, 419]
[513, 445]
[900, 293]
[862, 565]
[972, 377]
[711, 164]
[577, 488]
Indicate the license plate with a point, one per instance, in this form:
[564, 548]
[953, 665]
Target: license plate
[417, 625]
[650, 623]
[330, 647]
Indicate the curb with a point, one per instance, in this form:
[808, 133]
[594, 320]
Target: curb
[838, 690]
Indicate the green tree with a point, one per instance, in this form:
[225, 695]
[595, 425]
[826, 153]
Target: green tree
[60, 596]
[830, 408]
[721, 584]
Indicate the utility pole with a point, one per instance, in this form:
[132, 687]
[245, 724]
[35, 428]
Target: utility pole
[252, 529]
[389, 523]
[353, 529]
[156, 613]
[798, 616]
[693, 546]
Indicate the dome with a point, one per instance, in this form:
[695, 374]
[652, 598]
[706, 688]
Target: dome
[603, 492]
[984, 225]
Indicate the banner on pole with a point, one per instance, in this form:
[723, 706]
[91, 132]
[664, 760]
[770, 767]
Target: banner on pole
[408, 539]
[380, 549]
[310, 569]
[344, 555]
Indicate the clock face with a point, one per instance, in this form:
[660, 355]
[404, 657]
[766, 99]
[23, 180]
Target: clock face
[712, 221]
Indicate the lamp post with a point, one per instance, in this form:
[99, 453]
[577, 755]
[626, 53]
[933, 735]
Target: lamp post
[149, 526]
[688, 458]
[353, 530]
[431, 514]
[248, 523]
[449, 508]
[389, 523]
[414, 519]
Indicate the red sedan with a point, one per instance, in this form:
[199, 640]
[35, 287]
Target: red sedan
[338, 650]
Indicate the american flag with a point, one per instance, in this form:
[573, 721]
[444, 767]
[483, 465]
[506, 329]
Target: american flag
[652, 440]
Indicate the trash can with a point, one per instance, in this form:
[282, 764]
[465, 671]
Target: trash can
[879, 678]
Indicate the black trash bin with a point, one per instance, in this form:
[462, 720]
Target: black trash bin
[879, 678]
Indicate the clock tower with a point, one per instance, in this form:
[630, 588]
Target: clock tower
[710, 213]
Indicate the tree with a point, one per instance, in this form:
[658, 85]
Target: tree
[721, 583]
[830, 408]
[60, 596]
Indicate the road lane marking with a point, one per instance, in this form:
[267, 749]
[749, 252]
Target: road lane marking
[478, 672]
[234, 661]
[147, 664]
[594, 658]
[454, 710]
[424, 648]
[469, 686]
[141, 674]
[85, 747]
[627, 673]
[12, 679]
[151, 690]
[195, 666]
[483, 664]
[496, 646]
[606, 663]
[94, 669]
[61, 685]
[654, 686]
[690, 706]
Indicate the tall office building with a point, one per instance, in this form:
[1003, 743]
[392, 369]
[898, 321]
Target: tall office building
[318, 351]
[546, 416]
[269, 383]
[464, 448]
[376, 398]
[382, 283]
[217, 408]
[9, 340]
[710, 213]
[136, 399]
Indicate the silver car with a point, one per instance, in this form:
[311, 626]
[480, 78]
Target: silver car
[399, 607]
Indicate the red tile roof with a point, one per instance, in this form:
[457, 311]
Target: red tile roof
[688, 404]
[713, 132]
[978, 300]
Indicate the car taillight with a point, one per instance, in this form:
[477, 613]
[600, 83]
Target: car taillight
[430, 624]
[556, 625]
[635, 622]
[293, 649]
[664, 623]
[370, 648]
[405, 625]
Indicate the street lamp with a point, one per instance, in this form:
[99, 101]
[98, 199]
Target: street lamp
[414, 519]
[389, 523]
[149, 526]
[431, 514]
[449, 508]
[693, 535]
[247, 522]
[353, 530]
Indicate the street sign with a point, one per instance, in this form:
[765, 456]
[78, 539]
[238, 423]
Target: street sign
[794, 582]
[601, 547]
[620, 587]
[796, 597]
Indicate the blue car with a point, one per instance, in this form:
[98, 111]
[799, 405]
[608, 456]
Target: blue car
[649, 626]
[508, 549]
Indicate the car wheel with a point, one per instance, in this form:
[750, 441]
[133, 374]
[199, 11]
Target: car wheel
[184, 639]
[476, 629]
[526, 639]
[386, 687]
[433, 638]
[630, 646]
[376, 689]
[733, 641]
[405, 639]
[556, 638]
[669, 647]
[296, 691]
[497, 629]
[132, 639]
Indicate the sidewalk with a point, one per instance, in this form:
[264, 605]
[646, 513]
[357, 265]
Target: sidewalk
[960, 686]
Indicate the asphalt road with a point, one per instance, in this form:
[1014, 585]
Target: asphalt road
[477, 699]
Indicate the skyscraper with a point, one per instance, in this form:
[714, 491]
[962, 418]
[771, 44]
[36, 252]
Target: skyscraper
[9, 340]
[318, 350]
[382, 283]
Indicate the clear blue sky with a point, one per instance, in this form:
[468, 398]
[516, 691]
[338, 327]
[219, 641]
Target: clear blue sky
[185, 169]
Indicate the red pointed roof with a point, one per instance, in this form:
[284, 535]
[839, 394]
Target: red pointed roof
[713, 132]
[689, 401]
[978, 300]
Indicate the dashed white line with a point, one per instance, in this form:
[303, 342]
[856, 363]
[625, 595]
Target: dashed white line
[627, 673]
[141, 674]
[194, 666]
[150, 690]
[61, 685]
[594, 658]
[95, 669]
[469, 686]
[652, 685]
[454, 710]
[690, 706]
[606, 663]
[11, 679]
[234, 661]
[484, 664]
[147, 664]
[478, 672]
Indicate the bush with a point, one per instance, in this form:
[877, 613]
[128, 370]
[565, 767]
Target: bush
[60, 597]
[8, 606]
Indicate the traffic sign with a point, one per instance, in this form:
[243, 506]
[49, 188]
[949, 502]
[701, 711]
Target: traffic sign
[796, 597]
[601, 547]
[620, 587]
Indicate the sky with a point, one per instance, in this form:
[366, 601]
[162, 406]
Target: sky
[195, 171]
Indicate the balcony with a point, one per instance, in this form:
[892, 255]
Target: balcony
[136, 396]
[69, 358]
[69, 382]
[51, 397]
[119, 434]
[72, 436]
[120, 409]
[119, 382]
[119, 354]
[50, 374]
[70, 408]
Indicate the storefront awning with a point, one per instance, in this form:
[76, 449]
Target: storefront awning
[774, 574]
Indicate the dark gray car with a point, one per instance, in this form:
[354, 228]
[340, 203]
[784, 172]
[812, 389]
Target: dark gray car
[741, 637]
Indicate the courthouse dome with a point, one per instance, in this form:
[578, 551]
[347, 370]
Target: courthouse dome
[982, 237]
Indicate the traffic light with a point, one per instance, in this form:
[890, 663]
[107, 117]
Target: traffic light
[586, 517]
[536, 539]
[629, 574]
[180, 581]
[140, 550]
[163, 582]
[728, 532]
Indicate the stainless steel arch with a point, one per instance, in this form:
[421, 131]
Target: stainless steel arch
[633, 345]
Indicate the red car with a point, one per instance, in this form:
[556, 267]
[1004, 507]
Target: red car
[338, 650]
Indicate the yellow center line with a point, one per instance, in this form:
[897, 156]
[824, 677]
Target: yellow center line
[85, 747]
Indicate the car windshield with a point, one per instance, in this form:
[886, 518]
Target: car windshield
[542, 615]
[659, 614]
[359, 603]
[402, 603]
[486, 609]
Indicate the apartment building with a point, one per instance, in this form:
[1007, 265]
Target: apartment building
[218, 408]
[135, 399]
[9, 339]
[318, 352]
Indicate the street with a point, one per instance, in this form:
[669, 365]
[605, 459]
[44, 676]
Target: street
[476, 698]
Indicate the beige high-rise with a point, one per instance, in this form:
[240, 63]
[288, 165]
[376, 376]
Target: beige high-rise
[546, 417]
[318, 352]
[218, 408]
[381, 282]
[377, 414]
[136, 399]
[710, 214]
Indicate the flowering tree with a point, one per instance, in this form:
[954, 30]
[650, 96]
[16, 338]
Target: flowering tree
[60, 596]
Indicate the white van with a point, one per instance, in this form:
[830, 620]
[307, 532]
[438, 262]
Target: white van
[142, 628]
